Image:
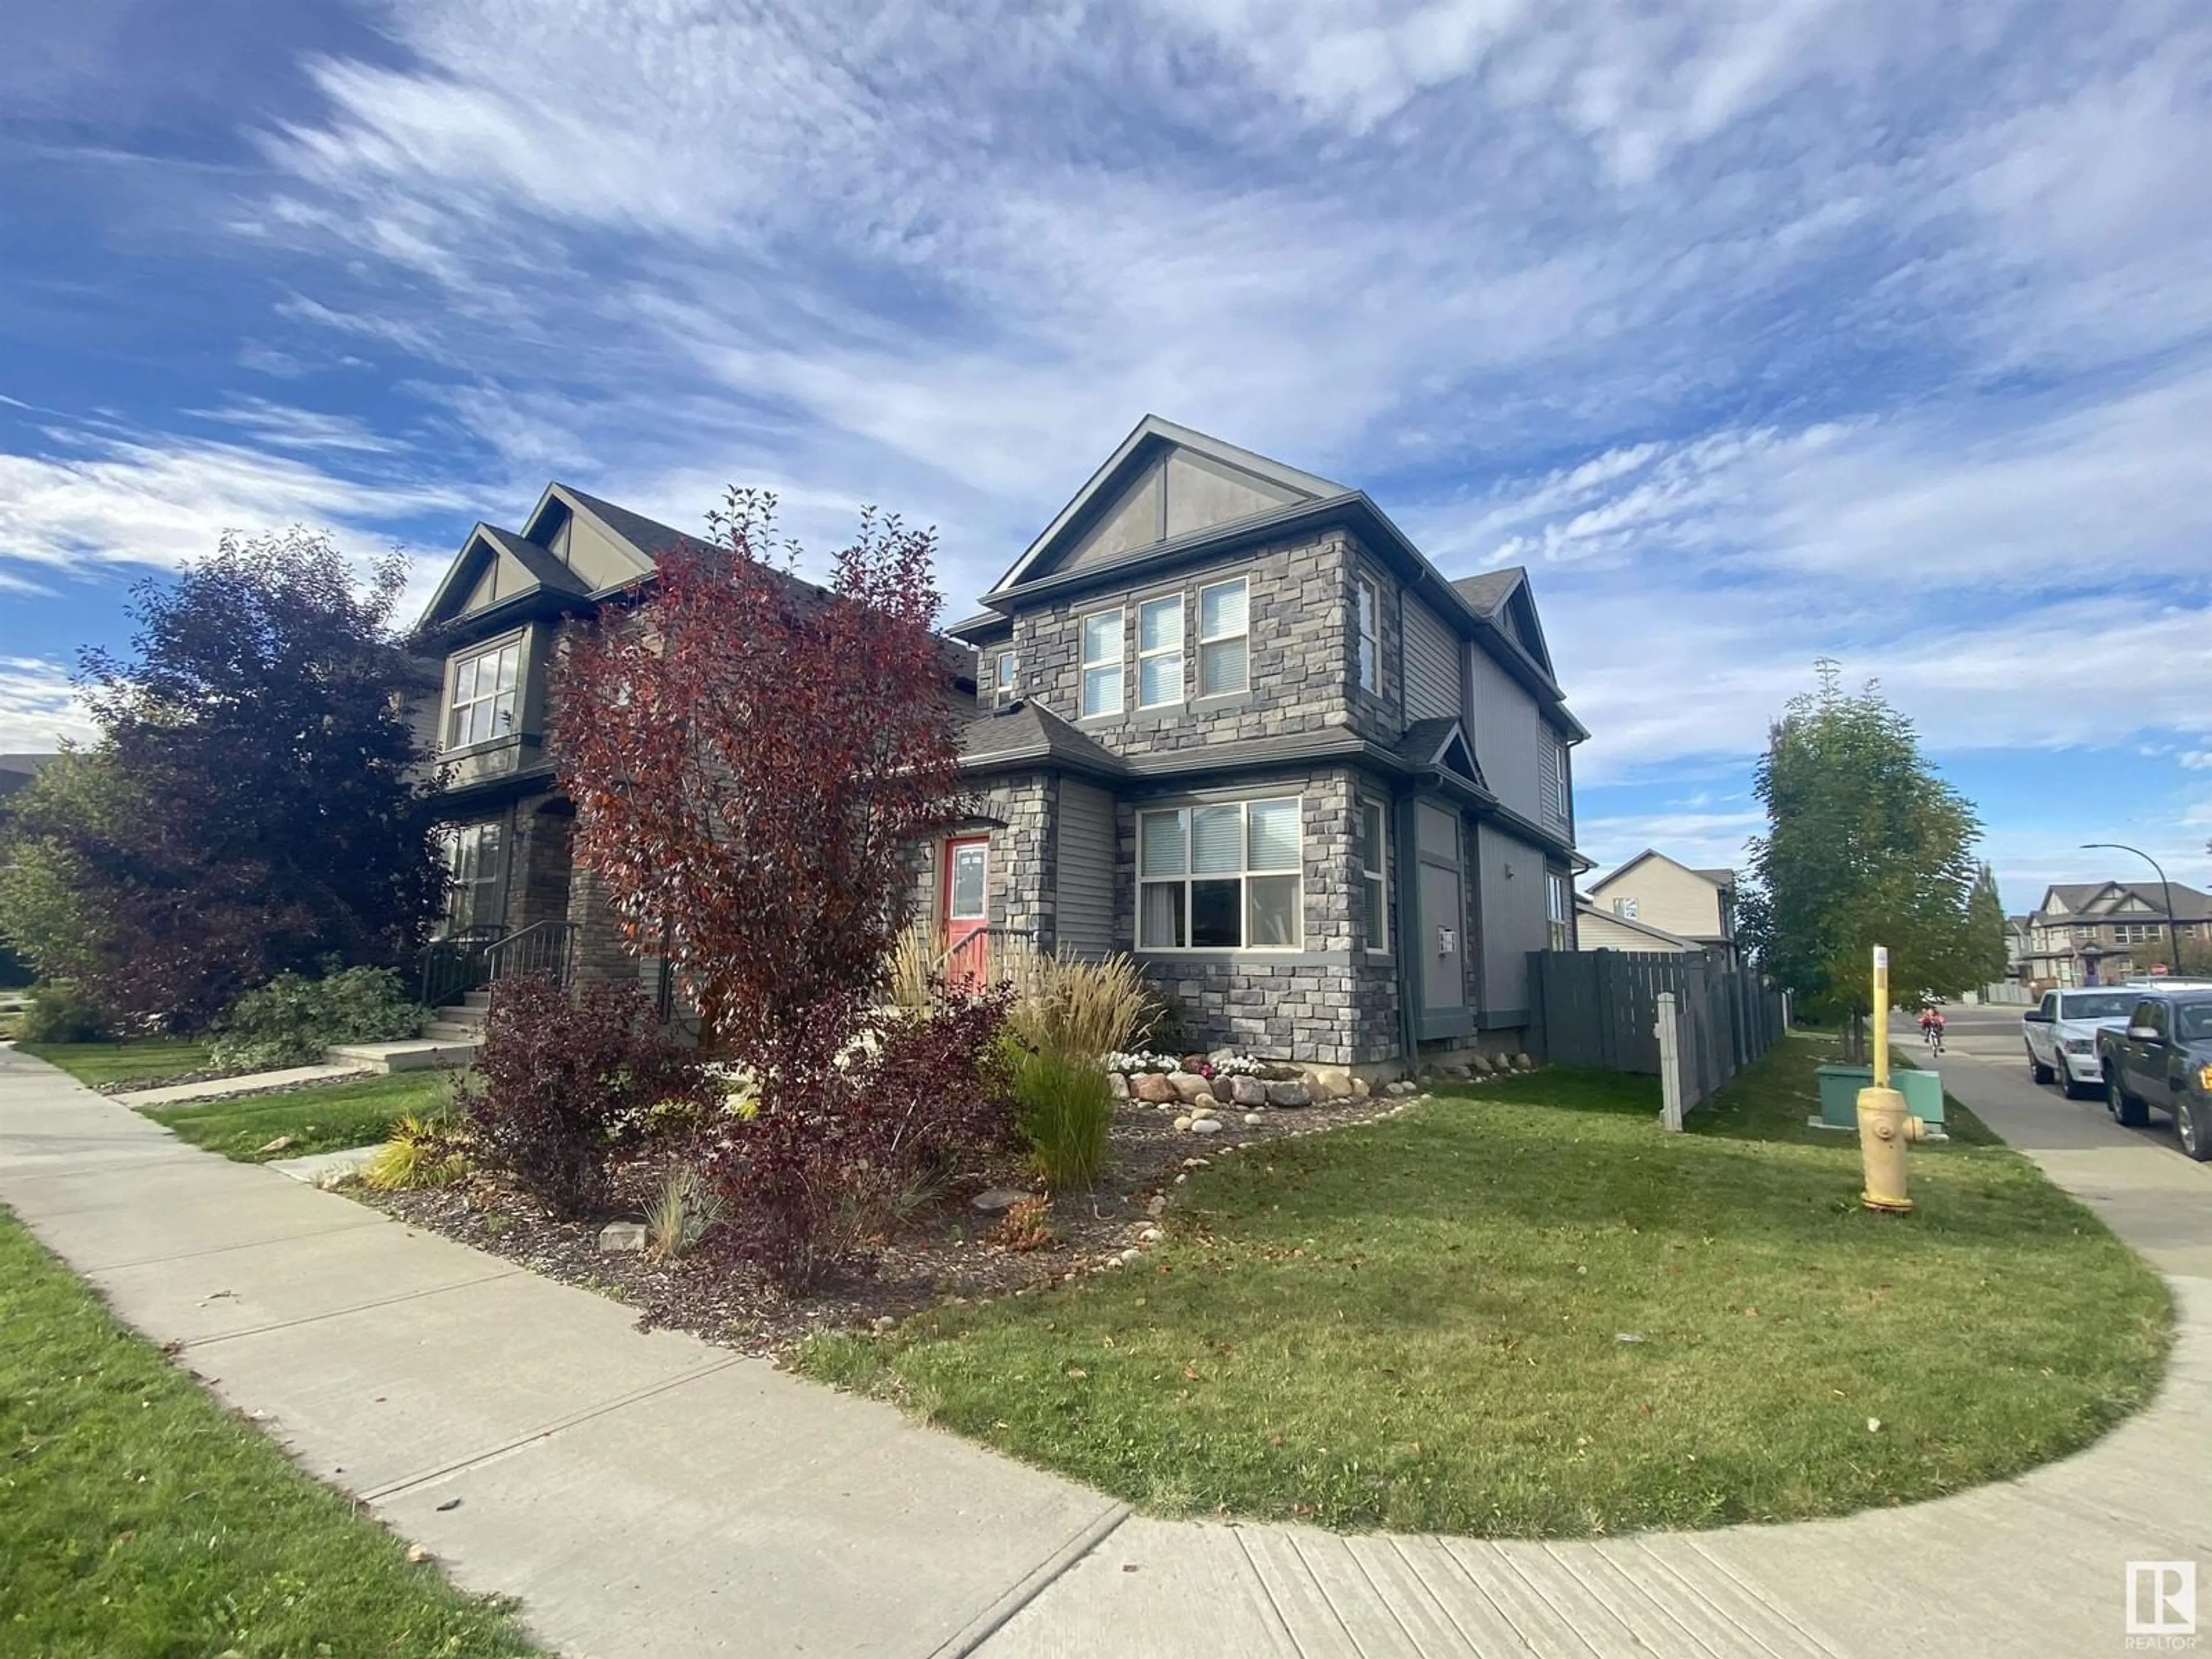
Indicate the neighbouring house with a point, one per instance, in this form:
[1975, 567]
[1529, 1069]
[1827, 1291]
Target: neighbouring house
[1601, 928]
[517, 894]
[1231, 720]
[17, 771]
[2102, 933]
[1691, 904]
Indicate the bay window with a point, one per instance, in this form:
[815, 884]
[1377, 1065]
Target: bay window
[1224, 624]
[1220, 877]
[482, 706]
[1102, 664]
[1159, 652]
[1375, 874]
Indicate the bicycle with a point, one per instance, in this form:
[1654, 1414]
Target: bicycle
[1932, 1035]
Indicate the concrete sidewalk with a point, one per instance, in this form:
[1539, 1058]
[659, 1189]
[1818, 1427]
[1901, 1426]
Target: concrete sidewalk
[652, 1495]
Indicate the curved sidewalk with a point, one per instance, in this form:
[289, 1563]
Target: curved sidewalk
[652, 1496]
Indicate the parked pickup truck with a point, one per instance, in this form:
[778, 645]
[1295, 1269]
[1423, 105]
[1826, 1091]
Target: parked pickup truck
[2062, 1032]
[2161, 1062]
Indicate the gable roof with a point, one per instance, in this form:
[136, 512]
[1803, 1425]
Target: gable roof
[1716, 878]
[1504, 599]
[1440, 741]
[2188, 904]
[648, 535]
[1151, 443]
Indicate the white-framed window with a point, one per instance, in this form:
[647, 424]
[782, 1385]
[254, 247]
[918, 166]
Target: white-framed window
[1624, 908]
[1159, 652]
[1223, 647]
[482, 706]
[1226, 878]
[1003, 669]
[1366, 625]
[1555, 778]
[1558, 911]
[1101, 663]
[1374, 875]
[472, 861]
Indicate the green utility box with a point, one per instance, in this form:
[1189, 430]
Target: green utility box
[1839, 1096]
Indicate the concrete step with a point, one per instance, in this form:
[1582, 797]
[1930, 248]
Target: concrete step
[454, 1031]
[419, 1055]
[477, 1000]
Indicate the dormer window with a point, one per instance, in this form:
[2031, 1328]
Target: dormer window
[1223, 647]
[483, 703]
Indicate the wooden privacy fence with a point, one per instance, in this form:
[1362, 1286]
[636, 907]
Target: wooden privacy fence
[1676, 1017]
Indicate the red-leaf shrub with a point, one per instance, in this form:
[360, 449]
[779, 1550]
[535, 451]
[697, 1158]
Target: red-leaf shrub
[834, 1156]
[568, 1081]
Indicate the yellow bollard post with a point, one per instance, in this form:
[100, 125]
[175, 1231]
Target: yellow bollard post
[1884, 1126]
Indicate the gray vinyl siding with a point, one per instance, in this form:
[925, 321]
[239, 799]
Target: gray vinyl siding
[1511, 874]
[1085, 913]
[1433, 654]
[1508, 732]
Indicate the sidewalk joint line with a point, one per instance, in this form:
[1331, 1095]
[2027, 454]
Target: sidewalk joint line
[194, 1345]
[220, 1250]
[1267, 1590]
[1033, 1584]
[1751, 1593]
[378, 1494]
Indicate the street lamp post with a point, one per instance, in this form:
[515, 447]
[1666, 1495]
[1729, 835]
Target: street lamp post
[2173, 933]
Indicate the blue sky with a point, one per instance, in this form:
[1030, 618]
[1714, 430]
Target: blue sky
[1759, 330]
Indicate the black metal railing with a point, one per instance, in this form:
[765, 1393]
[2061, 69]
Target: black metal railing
[544, 947]
[458, 963]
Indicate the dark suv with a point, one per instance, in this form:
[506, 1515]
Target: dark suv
[2162, 1061]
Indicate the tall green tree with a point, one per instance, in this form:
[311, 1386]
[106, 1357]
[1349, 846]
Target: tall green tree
[1985, 917]
[257, 801]
[1866, 845]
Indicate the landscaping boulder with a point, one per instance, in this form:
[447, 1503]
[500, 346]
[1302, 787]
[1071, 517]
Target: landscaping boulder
[1205, 1126]
[1188, 1086]
[997, 1201]
[1246, 1090]
[1154, 1088]
[622, 1238]
[1479, 1065]
[1361, 1088]
[1117, 1085]
[1185, 1122]
[1522, 1063]
[1402, 1086]
[1296, 1092]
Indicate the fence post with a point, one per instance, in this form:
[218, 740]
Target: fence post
[1670, 1064]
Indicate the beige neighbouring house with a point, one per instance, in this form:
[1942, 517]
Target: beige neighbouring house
[1653, 891]
[1601, 929]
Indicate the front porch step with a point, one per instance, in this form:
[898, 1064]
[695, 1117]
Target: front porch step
[454, 1031]
[479, 1000]
[419, 1055]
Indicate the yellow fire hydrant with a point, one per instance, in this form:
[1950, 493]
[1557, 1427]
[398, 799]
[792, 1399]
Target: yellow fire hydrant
[1886, 1126]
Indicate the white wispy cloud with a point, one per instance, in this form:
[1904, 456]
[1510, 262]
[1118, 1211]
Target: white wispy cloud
[40, 709]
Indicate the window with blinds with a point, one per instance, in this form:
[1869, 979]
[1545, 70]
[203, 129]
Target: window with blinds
[1159, 652]
[1374, 875]
[1101, 663]
[1223, 630]
[1226, 877]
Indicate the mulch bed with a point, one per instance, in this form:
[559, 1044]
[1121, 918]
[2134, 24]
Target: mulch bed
[131, 1086]
[945, 1251]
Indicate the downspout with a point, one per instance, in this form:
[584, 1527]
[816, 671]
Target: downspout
[1407, 869]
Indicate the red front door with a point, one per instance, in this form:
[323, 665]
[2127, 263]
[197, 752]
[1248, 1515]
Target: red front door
[967, 909]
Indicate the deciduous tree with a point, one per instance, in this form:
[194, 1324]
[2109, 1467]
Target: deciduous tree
[256, 802]
[1866, 845]
[752, 759]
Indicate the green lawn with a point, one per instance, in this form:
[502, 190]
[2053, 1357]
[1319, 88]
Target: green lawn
[139, 1520]
[324, 1118]
[1524, 1310]
[100, 1063]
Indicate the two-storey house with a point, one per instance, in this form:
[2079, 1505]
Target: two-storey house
[1231, 719]
[1658, 891]
[2104, 932]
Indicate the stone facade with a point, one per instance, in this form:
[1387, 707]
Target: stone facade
[1298, 673]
